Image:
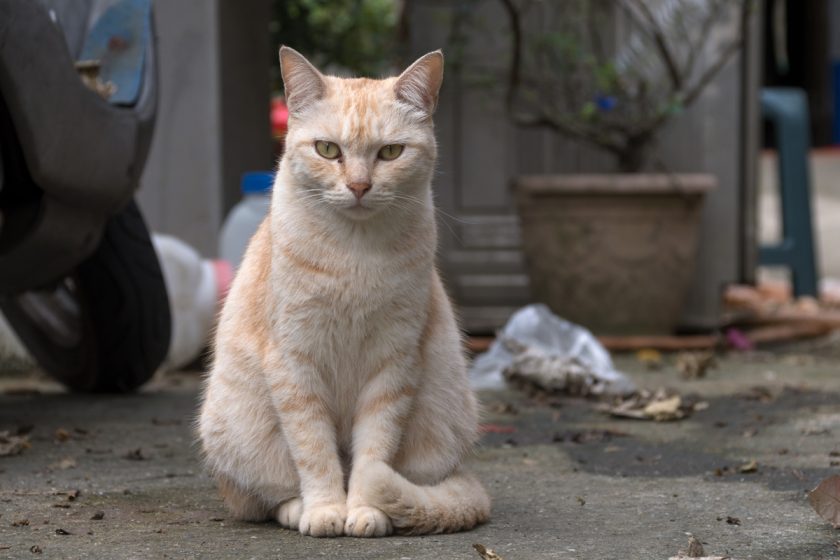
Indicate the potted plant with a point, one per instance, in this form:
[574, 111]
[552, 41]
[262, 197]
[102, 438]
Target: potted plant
[615, 251]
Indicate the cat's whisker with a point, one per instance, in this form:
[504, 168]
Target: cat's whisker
[456, 218]
[415, 200]
[445, 217]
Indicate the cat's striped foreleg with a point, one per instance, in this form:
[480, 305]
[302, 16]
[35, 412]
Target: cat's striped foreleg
[310, 431]
[378, 425]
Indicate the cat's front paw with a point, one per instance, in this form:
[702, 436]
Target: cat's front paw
[288, 514]
[367, 522]
[323, 521]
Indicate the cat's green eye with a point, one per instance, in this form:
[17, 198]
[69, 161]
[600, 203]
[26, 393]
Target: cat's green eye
[391, 151]
[326, 149]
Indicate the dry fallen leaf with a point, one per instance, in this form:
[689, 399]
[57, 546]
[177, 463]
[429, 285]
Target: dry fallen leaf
[62, 435]
[486, 553]
[695, 551]
[758, 393]
[71, 494]
[660, 405]
[135, 455]
[589, 436]
[666, 409]
[12, 445]
[695, 548]
[825, 499]
[682, 556]
[750, 467]
[650, 358]
[89, 73]
[694, 365]
[503, 408]
[64, 464]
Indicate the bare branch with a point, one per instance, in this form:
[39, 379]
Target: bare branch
[703, 36]
[592, 24]
[658, 36]
[723, 58]
[591, 135]
[515, 52]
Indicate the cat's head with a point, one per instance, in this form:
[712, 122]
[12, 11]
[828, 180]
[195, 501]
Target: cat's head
[360, 146]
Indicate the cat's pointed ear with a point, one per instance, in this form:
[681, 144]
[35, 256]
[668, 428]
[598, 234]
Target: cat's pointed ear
[302, 81]
[420, 83]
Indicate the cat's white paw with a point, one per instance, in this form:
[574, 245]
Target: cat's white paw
[288, 514]
[323, 521]
[367, 522]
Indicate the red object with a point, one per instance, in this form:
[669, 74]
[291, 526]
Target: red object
[279, 117]
[117, 43]
[224, 277]
[496, 429]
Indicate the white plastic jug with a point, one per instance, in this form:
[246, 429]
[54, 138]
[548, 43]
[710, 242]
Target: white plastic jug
[196, 289]
[246, 217]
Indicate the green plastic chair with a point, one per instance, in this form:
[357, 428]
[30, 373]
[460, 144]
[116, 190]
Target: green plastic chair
[787, 110]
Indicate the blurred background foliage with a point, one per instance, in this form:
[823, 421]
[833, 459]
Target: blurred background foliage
[355, 37]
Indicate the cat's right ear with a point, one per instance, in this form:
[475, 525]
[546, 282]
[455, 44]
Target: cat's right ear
[303, 83]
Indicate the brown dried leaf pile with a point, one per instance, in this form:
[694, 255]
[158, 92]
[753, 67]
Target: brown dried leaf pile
[661, 405]
[486, 553]
[695, 551]
[12, 444]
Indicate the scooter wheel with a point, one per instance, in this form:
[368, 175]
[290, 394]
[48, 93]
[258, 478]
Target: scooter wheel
[106, 327]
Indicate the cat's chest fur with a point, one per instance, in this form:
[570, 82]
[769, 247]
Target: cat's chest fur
[350, 304]
[349, 310]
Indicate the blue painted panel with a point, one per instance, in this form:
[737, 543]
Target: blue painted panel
[118, 39]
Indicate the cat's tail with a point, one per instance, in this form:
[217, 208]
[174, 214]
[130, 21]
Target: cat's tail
[457, 503]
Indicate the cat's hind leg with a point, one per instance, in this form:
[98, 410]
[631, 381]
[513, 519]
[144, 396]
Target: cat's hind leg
[243, 505]
[424, 488]
[289, 513]
[246, 452]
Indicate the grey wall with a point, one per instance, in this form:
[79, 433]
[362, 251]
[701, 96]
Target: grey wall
[212, 121]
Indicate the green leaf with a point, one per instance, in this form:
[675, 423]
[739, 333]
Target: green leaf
[589, 111]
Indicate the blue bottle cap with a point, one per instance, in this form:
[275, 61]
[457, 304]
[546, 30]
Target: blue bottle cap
[257, 182]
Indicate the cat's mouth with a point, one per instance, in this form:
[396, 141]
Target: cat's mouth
[358, 206]
[358, 209]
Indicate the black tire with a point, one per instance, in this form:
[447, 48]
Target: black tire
[105, 328]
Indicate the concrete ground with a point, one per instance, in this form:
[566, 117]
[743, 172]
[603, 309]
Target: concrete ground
[568, 482]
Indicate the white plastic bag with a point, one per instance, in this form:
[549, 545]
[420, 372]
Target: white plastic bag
[553, 353]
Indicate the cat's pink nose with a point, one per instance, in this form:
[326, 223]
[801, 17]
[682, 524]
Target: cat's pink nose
[359, 189]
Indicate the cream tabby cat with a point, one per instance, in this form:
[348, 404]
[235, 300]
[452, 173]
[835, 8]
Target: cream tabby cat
[338, 402]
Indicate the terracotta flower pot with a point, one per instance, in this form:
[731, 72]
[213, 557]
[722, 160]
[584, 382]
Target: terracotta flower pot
[615, 253]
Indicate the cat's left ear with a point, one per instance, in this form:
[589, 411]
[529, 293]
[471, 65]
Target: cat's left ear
[420, 83]
[302, 81]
